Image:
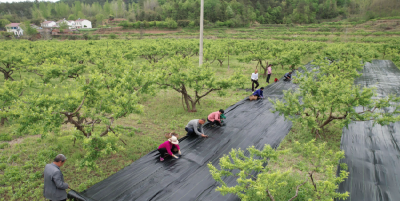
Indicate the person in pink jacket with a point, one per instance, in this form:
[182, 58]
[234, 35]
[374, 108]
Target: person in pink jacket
[269, 71]
[167, 147]
[215, 118]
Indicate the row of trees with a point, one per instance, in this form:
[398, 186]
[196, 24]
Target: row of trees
[239, 12]
[90, 84]
[326, 94]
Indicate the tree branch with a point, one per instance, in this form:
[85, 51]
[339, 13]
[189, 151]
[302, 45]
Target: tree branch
[107, 128]
[80, 106]
[178, 90]
[312, 180]
[209, 91]
[297, 190]
[270, 196]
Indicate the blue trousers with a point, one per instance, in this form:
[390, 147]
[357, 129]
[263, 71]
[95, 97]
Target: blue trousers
[190, 131]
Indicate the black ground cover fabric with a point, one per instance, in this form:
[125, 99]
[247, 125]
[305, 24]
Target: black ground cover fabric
[188, 178]
[372, 152]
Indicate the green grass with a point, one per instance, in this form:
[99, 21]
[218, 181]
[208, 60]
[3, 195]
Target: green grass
[22, 159]
[22, 162]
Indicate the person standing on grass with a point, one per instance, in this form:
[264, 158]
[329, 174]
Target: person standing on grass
[254, 79]
[195, 127]
[269, 70]
[215, 118]
[54, 185]
[259, 93]
[168, 146]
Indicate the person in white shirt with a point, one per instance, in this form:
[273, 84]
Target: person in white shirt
[254, 79]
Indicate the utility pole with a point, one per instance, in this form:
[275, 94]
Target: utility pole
[201, 33]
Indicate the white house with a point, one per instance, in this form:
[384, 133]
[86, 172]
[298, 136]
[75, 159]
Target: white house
[70, 23]
[48, 24]
[15, 28]
[83, 24]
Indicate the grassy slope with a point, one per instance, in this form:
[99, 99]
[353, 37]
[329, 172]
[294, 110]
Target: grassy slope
[162, 113]
[28, 156]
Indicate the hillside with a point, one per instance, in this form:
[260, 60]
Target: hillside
[238, 12]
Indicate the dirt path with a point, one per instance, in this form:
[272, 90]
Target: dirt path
[19, 140]
[118, 30]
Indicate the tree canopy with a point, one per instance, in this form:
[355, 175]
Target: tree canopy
[232, 12]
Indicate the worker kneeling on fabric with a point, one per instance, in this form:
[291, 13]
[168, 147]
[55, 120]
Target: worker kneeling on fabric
[259, 93]
[287, 76]
[166, 148]
[195, 127]
[215, 118]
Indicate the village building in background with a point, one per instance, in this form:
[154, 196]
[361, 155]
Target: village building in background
[15, 28]
[83, 24]
[69, 23]
[52, 28]
[48, 24]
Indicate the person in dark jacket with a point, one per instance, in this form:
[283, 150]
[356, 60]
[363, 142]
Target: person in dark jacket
[54, 185]
[259, 93]
[287, 76]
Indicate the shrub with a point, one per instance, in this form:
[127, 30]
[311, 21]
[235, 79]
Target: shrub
[7, 35]
[192, 24]
[4, 145]
[136, 25]
[5, 137]
[112, 36]
[86, 36]
[124, 24]
[220, 24]
[146, 24]
[72, 37]
[324, 29]
[96, 37]
[152, 24]
[171, 24]
[160, 24]
[3, 166]
[183, 23]
[273, 184]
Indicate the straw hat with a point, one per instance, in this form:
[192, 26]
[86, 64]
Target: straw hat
[173, 140]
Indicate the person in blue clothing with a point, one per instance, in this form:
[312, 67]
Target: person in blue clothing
[287, 76]
[259, 93]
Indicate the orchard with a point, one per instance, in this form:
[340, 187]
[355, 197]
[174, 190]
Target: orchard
[73, 93]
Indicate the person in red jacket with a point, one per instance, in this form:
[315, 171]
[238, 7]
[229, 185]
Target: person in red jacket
[215, 118]
[167, 147]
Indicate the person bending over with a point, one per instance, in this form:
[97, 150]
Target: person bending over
[195, 127]
[287, 76]
[168, 146]
[215, 118]
[259, 93]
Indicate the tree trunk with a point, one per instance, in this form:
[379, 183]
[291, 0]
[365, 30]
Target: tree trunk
[220, 62]
[2, 121]
[186, 97]
[264, 68]
[7, 75]
[193, 106]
